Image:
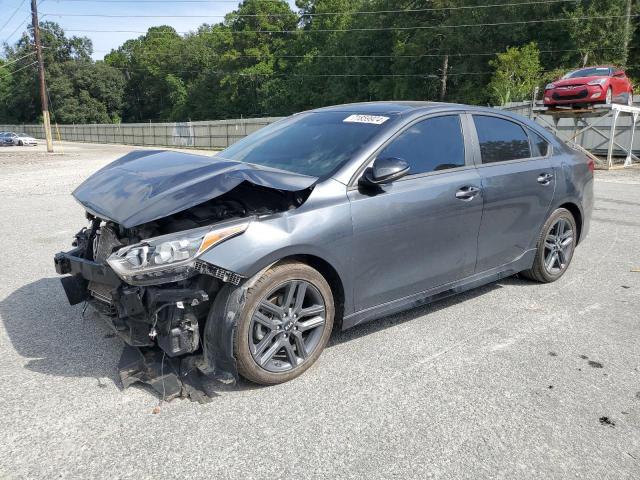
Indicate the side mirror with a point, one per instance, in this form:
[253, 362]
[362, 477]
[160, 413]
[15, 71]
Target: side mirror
[385, 170]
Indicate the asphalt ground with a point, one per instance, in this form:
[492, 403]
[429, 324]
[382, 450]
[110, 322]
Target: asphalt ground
[512, 380]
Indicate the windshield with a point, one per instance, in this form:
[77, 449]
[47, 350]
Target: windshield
[588, 72]
[314, 144]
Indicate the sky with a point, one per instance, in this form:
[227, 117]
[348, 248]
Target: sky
[182, 16]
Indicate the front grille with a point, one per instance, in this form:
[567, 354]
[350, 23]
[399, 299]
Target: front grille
[577, 96]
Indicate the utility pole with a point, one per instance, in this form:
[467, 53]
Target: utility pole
[43, 85]
[445, 68]
[627, 34]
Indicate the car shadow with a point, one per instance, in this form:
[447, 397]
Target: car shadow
[338, 337]
[58, 339]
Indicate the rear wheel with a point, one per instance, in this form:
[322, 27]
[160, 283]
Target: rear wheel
[555, 247]
[630, 99]
[285, 324]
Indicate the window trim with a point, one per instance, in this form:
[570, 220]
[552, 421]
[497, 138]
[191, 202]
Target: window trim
[464, 130]
[526, 128]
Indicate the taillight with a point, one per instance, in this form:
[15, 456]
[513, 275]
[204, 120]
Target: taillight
[591, 164]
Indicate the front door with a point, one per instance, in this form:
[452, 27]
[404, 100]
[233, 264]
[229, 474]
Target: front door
[420, 231]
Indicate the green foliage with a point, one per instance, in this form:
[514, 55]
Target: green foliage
[517, 72]
[267, 59]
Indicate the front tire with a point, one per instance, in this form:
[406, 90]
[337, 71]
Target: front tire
[20, 143]
[555, 247]
[284, 325]
[609, 97]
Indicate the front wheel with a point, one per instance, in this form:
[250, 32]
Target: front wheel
[20, 143]
[555, 247]
[609, 98]
[285, 323]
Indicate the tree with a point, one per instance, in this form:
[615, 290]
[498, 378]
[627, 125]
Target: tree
[517, 72]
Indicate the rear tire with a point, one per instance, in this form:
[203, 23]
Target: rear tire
[284, 325]
[555, 247]
[630, 99]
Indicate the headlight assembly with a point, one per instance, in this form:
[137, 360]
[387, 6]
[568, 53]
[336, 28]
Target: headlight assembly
[599, 81]
[549, 86]
[169, 258]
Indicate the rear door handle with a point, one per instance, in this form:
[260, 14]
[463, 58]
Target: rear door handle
[467, 192]
[545, 178]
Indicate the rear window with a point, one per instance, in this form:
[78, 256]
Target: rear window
[315, 143]
[501, 140]
[539, 145]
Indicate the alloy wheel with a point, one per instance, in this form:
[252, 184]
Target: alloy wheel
[287, 326]
[558, 246]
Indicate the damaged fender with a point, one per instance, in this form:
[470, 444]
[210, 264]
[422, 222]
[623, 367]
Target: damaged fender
[220, 328]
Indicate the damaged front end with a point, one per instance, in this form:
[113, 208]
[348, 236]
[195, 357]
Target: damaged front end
[150, 285]
[163, 310]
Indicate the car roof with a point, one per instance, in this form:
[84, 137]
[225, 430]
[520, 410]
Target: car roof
[409, 107]
[386, 107]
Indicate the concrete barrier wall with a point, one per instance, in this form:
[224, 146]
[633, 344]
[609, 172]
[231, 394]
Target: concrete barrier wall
[216, 134]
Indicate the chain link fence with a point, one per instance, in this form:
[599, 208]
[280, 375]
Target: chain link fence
[215, 134]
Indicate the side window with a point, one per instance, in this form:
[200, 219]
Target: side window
[501, 140]
[539, 145]
[430, 145]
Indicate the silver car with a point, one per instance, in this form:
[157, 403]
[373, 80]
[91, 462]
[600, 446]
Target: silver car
[242, 264]
[20, 139]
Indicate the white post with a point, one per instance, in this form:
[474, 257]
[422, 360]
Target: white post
[612, 137]
[634, 120]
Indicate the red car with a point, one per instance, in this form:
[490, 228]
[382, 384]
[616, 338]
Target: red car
[604, 84]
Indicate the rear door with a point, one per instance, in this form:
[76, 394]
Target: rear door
[421, 231]
[518, 184]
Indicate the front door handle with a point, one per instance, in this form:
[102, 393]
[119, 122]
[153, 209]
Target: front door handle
[467, 193]
[545, 178]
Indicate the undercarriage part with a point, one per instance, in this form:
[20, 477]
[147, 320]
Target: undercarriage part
[75, 287]
[169, 377]
[182, 336]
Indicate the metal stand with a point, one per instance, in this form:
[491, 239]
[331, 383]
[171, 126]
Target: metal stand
[582, 125]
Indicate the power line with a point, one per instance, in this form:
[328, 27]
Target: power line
[12, 15]
[20, 25]
[19, 69]
[16, 60]
[232, 56]
[318, 14]
[162, 1]
[377, 29]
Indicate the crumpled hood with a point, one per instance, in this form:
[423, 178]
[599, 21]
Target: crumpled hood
[146, 185]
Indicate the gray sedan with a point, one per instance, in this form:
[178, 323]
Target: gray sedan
[242, 264]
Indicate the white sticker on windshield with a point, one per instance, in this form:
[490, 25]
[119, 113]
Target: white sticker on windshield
[374, 119]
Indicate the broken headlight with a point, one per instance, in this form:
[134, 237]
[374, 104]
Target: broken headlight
[169, 258]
